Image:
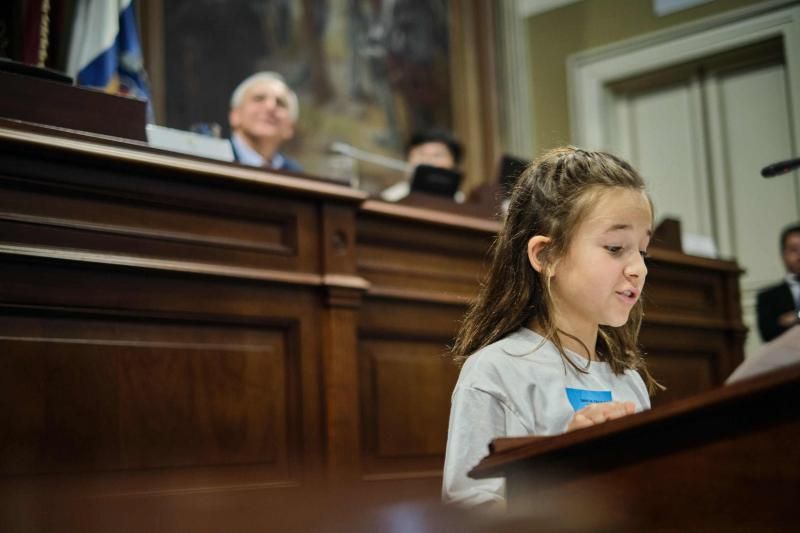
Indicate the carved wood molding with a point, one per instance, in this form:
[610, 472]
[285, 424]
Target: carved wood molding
[142, 154]
[42, 253]
[429, 216]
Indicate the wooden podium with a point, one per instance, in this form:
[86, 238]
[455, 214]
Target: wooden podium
[725, 460]
[182, 332]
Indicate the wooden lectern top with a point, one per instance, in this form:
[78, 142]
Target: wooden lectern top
[725, 459]
[767, 391]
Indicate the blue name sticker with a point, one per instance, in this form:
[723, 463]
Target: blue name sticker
[580, 398]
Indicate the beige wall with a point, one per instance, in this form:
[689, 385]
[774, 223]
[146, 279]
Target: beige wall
[556, 34]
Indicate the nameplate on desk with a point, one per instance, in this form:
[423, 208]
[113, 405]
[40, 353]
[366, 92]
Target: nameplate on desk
[187, 142]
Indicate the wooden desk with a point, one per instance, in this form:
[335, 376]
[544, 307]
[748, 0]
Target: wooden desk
[174, 324]
[423, 267]
[162, 313]
[725, 460]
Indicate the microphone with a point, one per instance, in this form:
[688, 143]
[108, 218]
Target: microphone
[781, 167]
[341, 148]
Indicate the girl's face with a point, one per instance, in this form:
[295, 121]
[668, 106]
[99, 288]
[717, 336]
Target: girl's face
[602, 274]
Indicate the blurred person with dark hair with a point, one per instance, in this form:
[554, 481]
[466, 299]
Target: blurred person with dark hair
[778, 307]
[437, 148]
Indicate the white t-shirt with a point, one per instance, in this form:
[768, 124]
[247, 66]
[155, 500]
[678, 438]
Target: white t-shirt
[520, 385]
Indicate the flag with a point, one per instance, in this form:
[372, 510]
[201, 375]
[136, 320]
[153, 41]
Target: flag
[104, 50]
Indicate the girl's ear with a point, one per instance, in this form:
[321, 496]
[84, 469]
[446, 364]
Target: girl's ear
[536, 244]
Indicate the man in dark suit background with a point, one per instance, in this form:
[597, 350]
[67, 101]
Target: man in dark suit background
[434, 147]
[778, 306]
[262, 117]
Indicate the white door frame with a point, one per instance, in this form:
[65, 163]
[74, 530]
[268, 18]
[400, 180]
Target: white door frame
[590, 72]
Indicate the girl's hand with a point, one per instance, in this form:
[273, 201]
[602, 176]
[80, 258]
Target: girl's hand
[597, 413]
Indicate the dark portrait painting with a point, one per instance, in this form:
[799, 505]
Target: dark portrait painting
[367, 72]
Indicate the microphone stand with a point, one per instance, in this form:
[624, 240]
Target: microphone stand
[368, 157]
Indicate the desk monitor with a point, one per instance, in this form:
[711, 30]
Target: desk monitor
[435, 180]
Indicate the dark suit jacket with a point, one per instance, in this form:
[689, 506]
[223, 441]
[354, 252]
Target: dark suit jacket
[772, 303]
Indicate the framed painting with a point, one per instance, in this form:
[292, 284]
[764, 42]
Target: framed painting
[368, 73]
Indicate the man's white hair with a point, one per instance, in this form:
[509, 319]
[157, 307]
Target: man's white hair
[266, 75]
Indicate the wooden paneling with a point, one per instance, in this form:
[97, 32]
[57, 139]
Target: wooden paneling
[692, 333]
[117, 210]
[393, 374]
[407, 253]
[686, 360]
[170, 325]
[423, 268]
[405, 318]
[690, 293]
[226, 392]
[118, 369]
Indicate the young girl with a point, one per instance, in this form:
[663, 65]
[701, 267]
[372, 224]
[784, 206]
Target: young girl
[551, 342]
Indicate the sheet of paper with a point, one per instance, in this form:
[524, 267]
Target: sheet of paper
[783, 351]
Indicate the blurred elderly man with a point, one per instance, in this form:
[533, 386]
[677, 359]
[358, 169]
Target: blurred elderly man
[262, 117]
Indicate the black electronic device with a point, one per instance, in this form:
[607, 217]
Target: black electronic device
[435, 180]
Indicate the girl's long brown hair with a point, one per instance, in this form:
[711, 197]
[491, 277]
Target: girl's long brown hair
[551, 198]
